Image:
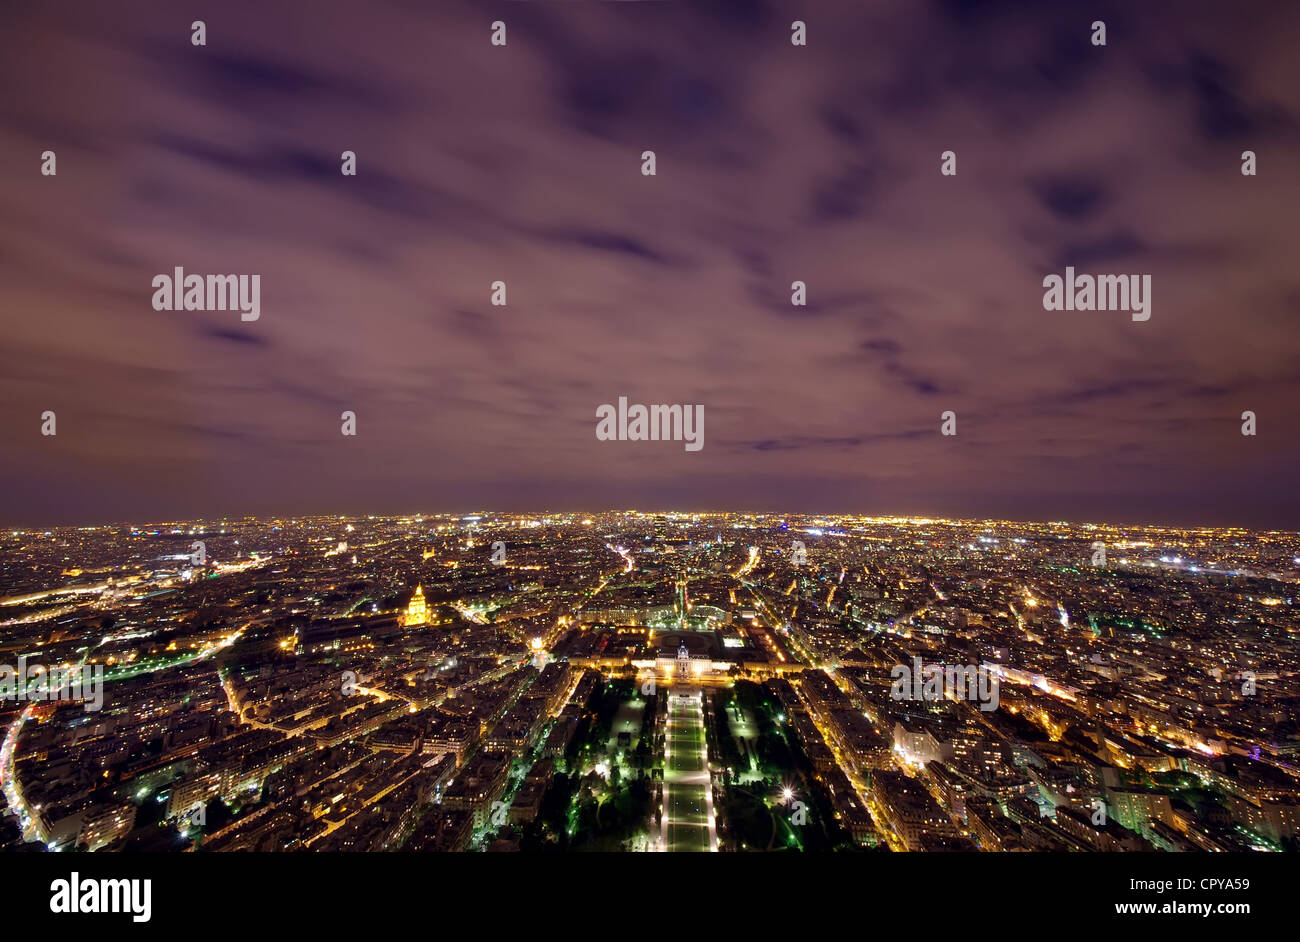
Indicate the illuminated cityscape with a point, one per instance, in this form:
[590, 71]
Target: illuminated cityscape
[654, 682]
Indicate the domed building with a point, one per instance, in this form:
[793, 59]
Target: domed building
[417, 613]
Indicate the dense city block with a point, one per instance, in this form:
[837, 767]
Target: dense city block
[648, 682]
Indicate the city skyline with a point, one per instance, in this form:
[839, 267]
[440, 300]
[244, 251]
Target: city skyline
[553, 512]
[648, 682]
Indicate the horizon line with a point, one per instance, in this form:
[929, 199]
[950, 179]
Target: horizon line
[910, 518]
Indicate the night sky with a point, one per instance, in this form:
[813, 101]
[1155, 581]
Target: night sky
[775, 163]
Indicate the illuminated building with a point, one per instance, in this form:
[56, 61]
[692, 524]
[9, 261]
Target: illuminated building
[106, 824]
[688, 663]
[417, 613]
